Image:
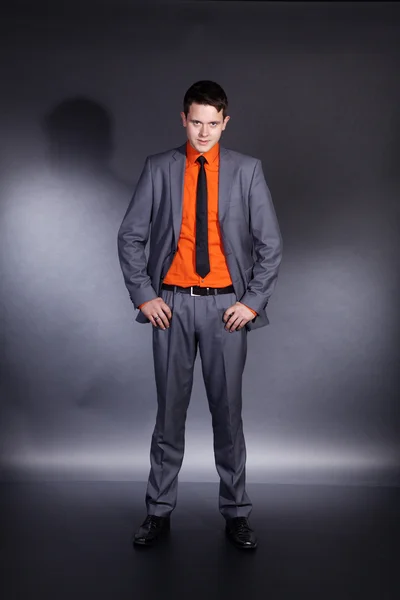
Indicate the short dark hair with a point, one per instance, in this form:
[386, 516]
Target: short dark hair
[206, 92]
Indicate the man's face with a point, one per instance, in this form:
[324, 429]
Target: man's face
[204, 126]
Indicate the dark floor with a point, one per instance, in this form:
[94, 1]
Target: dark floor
[72, 541]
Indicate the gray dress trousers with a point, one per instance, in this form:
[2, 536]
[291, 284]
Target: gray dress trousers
[197, 321]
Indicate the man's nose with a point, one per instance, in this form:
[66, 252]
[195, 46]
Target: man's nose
[204, 131]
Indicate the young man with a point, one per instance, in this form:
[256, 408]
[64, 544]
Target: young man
[215, 251]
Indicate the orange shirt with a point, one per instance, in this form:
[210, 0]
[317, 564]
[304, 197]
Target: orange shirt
[182, 271]
[183, 268]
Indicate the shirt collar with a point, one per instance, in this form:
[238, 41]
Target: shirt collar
[211, 156]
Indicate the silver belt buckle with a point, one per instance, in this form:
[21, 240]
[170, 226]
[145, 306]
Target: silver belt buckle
[191, 291]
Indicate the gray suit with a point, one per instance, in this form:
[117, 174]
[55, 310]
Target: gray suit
[253, 248]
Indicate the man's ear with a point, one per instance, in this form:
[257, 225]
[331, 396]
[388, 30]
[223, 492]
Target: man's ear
[225, 121]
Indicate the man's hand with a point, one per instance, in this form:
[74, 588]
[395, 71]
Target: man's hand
[158, 313]
[236, 316]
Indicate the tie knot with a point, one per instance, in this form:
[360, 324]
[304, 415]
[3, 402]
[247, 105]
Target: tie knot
[201, 160]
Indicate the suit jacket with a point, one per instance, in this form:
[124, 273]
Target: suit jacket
[249, 228]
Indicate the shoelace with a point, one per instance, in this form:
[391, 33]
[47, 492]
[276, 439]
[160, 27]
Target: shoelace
[152, 521]
[242, 526]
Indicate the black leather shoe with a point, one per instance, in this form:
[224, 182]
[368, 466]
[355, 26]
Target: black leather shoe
[150, 530]
[240, 533]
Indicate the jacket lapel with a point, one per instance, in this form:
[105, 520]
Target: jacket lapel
[225, 180]
[177, 175]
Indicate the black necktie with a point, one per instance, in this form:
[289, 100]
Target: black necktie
[202, 259]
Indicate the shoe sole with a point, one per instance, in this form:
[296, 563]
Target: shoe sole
[144, 543]
[232, 541]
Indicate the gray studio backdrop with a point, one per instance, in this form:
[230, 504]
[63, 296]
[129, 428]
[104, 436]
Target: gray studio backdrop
[86, 95]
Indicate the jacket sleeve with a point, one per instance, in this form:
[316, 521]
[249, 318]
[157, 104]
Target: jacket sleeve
[267, 243]
[133, 235]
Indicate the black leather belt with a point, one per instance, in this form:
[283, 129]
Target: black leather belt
[196, 290]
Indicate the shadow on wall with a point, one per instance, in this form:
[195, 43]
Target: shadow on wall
[79, 129]
[392, 151]
[69, 330]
